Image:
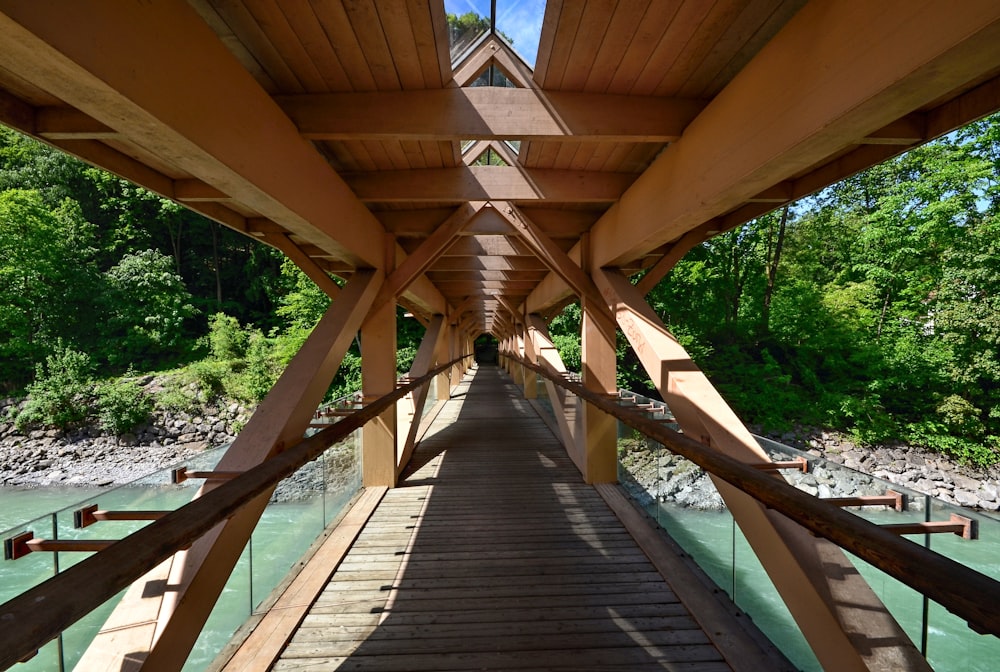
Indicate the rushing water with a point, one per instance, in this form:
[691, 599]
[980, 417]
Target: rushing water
[284, 533]
[719, 548]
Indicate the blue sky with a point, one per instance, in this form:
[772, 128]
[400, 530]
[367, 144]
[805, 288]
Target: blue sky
[521, 20]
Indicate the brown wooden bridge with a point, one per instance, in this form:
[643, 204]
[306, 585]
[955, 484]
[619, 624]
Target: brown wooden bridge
[492, 554]
[483, 192]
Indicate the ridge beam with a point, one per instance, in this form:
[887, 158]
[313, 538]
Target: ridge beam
[489, 113]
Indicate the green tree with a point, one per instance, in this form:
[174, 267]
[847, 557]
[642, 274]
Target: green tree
[147, 308]
[48, 281]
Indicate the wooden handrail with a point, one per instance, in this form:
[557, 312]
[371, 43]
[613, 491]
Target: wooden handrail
[968, 594]
[39, 614]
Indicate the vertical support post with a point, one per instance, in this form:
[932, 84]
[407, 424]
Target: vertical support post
[517, 371]
[843, 620]
[566, 407]
[600, 369]
[378, 378]
[528, 352]
[430, 347]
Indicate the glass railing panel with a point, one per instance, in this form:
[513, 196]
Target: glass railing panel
[342, 468]
[949, 638]
[301, 508]
[754, 593]
[46, 660]
[657, 482]
[542, 397]
[231, 611]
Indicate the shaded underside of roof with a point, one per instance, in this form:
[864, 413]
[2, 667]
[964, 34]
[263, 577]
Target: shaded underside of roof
[342, 133]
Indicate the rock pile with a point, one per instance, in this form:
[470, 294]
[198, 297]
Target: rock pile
[929, 473]
[88, 457]
[667, 477]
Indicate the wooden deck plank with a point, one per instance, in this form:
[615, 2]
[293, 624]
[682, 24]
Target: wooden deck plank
[493, 554]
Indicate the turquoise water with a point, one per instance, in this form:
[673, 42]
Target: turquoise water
[718, 546]
[285, 532]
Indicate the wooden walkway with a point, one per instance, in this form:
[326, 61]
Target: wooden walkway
[493, 555]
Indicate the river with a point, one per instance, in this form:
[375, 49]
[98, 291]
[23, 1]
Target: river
[285, 532]
[288, 528]
[710, 538]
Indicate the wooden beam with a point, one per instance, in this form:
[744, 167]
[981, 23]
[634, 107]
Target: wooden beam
[488, 183]
[487, 263]
[493, 51]
[474, 275]
[196, 190]
[68, 123]
[239, 141]
[16, 113]
[418, 223]
[199, 574]
[41, 613]
[873, 65]
[843, 620]
[430, 347]
[489, 113]
[305, 263]
[488, 246]
[908, 130]
[560, 263]
[428, 252]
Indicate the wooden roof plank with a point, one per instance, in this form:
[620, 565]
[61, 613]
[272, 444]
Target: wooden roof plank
[683, 25]
[587, 44]
[372, 40]
[549, 73]
[245, 27]
[751, 45]
[337, 25]
[704, 45]
[287, 43]
[398, 28]
[744, 21]
[429, 28]
[624, 24]
[302, 18]
[644, 42]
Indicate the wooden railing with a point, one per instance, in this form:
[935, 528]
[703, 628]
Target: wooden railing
[38, 615]
[968, 594]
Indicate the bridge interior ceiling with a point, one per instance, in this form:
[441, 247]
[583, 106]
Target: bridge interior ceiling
[343, 133]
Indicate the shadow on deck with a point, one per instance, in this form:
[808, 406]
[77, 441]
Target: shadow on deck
[493, 554]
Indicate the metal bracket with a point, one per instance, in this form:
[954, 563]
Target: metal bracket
[799, 463]
[896, 500]
[967, 528]
[182, 474]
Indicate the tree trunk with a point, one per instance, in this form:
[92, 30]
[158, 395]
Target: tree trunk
[215, 258]
[772, 269]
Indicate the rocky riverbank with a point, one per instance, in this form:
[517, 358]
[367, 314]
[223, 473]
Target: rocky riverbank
[670, 478]
[89, 457]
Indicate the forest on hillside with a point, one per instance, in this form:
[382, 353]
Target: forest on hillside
[870, 307]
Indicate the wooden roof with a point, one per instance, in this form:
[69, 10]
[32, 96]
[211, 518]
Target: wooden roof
[334, 129]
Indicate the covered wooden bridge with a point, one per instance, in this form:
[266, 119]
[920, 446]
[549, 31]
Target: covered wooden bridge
[483, 190]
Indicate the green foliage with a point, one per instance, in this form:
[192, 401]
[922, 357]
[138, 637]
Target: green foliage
[60, 395]
[122, 405]
[226, 339]
[178, 395]
[47, 281]
[147, 308]
[304, 303]
[884, 319]
[258, 373]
